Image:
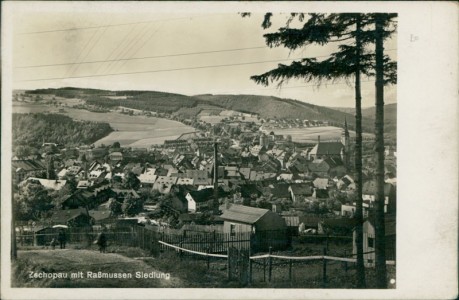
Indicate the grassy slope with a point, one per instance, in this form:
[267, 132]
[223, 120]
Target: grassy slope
[72, 260]
[270, 107]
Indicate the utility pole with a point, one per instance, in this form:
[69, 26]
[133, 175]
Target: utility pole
[216, 203]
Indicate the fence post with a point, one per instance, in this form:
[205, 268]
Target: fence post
[180, 251]
[345, 263]
[250, 269]
[229, 264]
[270, 269]
[208, 257]
[290, 270]
[324, 269]
[264, 269]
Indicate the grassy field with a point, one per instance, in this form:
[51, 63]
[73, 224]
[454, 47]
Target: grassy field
[188, 271]
[72, 261]
[130, 131]
[309, 134]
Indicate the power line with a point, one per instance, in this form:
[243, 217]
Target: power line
[163, 70]
[144, 57]
[111, 25]
[157, 56]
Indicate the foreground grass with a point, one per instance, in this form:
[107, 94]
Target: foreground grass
[68, 261]
[185, 271]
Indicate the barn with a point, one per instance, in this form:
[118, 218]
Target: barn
[266, 229]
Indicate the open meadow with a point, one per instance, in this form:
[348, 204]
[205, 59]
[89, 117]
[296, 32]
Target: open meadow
[309, 134]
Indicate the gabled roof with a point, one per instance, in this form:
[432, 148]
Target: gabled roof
[320, 183]
[206, 194]
[330, 148]
[279, 190]
[243, 214]
[63, 216]
[47, 183]
[304, 189]
[28, 165]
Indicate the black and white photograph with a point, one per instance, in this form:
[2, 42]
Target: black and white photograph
[174, 146]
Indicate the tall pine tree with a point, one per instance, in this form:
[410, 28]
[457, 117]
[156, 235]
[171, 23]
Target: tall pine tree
[352, 33]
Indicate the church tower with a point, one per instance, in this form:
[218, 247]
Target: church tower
[345, 140]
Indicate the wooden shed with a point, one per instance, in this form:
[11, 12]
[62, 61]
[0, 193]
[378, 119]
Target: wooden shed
[265, 228]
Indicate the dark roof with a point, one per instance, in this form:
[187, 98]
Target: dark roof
[28, 165]
[340, 223]
[63, 216]
[321, 193]
[333, 148]
[249, 189]
[100, 214]
[304, 189]
[369, 188]
[206, 194]
[243, 214]
[318, 166]
[280, 190]
[334, 161]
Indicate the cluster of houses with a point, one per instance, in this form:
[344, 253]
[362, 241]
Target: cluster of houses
[264, 181]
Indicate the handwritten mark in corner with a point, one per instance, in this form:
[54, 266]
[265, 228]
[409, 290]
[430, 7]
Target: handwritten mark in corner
[413, 38]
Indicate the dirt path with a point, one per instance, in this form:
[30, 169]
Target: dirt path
[80, 268]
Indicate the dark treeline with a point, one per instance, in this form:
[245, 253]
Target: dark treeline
[33, 129]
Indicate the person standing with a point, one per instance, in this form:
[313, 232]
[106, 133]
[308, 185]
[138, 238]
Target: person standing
[102, 242]
[62, 239]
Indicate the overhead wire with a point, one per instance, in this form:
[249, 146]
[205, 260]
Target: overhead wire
[167, 70]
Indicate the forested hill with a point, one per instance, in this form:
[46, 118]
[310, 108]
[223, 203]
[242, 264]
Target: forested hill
[33, 129]
[191, 106]
[273, 107]
[390, 115]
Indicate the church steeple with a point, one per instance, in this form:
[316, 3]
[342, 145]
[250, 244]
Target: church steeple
[345, 140]
[346, 132]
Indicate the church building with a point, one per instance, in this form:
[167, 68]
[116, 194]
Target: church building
[333, 149]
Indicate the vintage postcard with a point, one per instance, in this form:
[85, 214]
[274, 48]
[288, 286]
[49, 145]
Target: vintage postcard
[235, 150]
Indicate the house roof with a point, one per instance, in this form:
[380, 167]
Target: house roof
[279, 190]
[320, 183]
[63, 216]
[28, 165]
[301, 189]
[318, 165]
[369, 188]
[243, 214]
[206, 194]
[330, 148]
[100, 214]
[48, 183]
[249, 189]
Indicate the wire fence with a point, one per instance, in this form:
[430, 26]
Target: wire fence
[240, 254]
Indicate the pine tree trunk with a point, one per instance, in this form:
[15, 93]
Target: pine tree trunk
[380, 242]
[358, 165]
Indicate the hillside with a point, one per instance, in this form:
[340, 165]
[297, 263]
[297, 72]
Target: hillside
[190, 106]
[390, 115]
[273, 107]
[34, 129]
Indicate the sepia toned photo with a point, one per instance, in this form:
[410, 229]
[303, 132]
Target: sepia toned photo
[200, 149]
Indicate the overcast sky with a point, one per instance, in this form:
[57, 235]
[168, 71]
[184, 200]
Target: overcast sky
[43, 39]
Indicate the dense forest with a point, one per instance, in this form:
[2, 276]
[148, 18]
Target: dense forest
[152, 101]
[33, 129]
